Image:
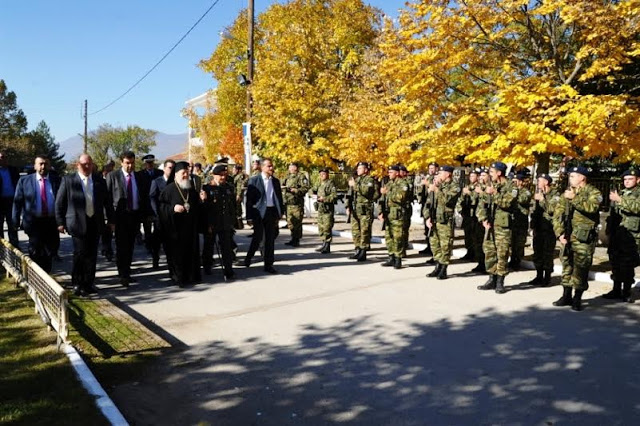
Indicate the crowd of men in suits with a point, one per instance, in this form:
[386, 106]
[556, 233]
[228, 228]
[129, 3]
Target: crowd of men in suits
[179, 206]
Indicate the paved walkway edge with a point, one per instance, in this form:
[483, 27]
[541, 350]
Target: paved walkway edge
[603, 277]
[91, 384]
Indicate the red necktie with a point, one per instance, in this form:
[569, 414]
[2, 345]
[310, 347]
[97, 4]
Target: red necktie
[129, 193]
[43, 198]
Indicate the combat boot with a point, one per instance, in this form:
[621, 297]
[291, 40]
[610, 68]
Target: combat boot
[431, 261]
[326, 249]
[480, 268]
[490, 284]
[320, 247]
[538, 280]
[397, 263]
[576, 304]
[390, 261]
[566, 298]
[468, 256]
[356, 254]
[500, 285]
[616, 292]
[435, 271]
[626, 292]
[295, 242]
[546, 282]
[291, 242]
[443, 272]
[426, 251]
[363, 255]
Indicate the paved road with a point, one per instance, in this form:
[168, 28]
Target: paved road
[330, 341]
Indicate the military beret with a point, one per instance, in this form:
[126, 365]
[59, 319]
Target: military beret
[149, 158]
[545, 176]
[219, 169]
[363, 163]
[394, 167]
[630, 172]
[499, 165]
[447, 169]
[325, 170]
[181, 165]
[484, 170]
[433, 163]
[403, 168]
[580, 170]
[521, 176]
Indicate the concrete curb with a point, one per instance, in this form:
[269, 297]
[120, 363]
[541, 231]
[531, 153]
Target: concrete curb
[91, 384]
[458, 253]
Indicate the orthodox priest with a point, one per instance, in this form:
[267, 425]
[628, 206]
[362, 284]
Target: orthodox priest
[181, 213]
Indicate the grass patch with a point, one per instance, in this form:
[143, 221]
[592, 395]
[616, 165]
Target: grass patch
[38, 385]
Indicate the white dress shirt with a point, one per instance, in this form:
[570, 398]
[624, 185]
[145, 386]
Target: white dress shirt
[268, 190]
[87, 187]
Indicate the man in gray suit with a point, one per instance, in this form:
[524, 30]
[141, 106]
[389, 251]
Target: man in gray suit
[34, 202]
[80, 204]
[157, 237]
[264, 210]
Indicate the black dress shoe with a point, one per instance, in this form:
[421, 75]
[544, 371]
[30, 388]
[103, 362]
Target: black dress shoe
[132, 280]
[91, 290]
[270, 269]
[77, 291]
[124, 281]
[229, 277]
[207, 270]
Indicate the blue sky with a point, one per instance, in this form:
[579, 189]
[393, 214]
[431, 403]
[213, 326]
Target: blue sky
[56, 54]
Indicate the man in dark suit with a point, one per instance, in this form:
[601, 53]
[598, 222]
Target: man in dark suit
[157, 237]
[34, 202]
[80, 206]
[264, 210]
[9, 176]
[128, 196]
[150, 173]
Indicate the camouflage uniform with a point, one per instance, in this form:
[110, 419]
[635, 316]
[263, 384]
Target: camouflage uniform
[520, 226]
[408, 211]
[422, 196]
[442, 228]
[478, 229]
[326, 190]
[500, 207]
[623, 228]
[468, 205]
[295, 203]
[365, 194]
[544, 238]
[394, 210]
[584, 216]
[239, 182]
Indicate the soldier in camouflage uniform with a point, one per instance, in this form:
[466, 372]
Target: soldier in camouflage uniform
[440, 219]
[239, 182]
[623, 228]
[408, 207]
[392, 210]
[520, 227]
[325, 205]
[256, 168]
[365, 193]
[221, 217]
[483, 181]
[496, 215]
[546, 199]
[295, 186]
[423, 197]
[468, 204]
[575, 222]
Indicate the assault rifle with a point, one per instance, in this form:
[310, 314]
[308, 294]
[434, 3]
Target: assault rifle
[384, 205]
[567, 219]
[432, 210]
[491, 215]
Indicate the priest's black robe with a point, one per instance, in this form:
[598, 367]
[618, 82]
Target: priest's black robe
[181, 232]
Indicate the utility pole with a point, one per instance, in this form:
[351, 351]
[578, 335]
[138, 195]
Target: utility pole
[85, 127]
[250, 60]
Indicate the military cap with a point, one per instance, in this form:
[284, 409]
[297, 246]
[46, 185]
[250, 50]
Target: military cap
[149, 158]
[219, 169]
[545, 176]
[223, 160]
[630, 172]
[499, 165]
[394, 167]
[181, 165]
[521, 176]
[447, 169]
[325, 170]
[433, 163]
[580, 170]
[475, 171]
[363, 163]
[403, 168]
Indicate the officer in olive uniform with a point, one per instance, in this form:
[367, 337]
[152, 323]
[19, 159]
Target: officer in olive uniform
[423, 198]
[468, 205]
[520, 220]
[365, 193]
[327, 196]
[393, 201]
[440, 219]
[575, 222]
[408, 206]
[295, 186]
[496, 215]
[623, 228]
[221, 217]
[239, 182]
[545, 199]
[256, 169]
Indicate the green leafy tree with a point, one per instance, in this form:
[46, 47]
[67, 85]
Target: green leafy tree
[13, 126]
[43, 142]
[108, 142]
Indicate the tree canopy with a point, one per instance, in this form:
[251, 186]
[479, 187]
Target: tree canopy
[109, 142]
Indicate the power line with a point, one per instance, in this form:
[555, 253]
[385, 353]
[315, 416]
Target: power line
[159, 62]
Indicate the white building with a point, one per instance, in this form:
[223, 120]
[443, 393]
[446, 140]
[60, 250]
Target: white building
[205, 102]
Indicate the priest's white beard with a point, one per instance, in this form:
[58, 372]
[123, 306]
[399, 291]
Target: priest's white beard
[184, 183]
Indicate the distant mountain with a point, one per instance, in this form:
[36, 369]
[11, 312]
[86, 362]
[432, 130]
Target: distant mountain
[166, 145]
